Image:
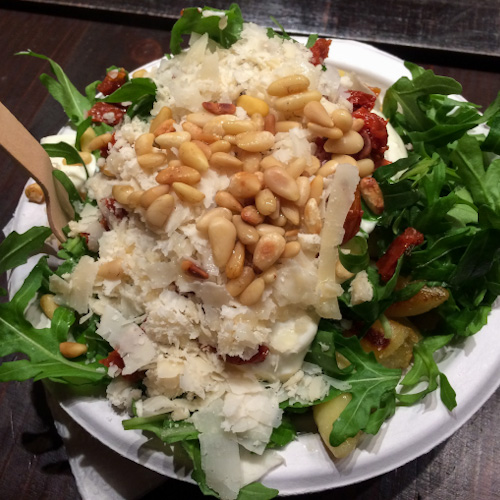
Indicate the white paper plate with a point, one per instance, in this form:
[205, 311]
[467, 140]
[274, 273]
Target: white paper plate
[410, 433]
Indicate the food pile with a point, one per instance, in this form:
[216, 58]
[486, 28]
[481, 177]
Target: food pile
[252, 244]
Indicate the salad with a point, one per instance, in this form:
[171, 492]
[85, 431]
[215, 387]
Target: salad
[252, 239]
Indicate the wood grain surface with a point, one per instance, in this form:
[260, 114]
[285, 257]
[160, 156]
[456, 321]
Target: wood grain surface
[33, 463]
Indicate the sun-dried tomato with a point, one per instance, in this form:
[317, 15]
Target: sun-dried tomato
[219, 108]
[374, 129]
[104, 112]
[256, 358]
[352, 222]
[112, 81]
[113, 358]
[320, 51]
[377, 339]
[386, 265]
[360, 99]
[105, 149]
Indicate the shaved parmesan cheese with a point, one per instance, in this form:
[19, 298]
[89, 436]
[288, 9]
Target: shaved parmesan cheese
[340, 198]
[361, 289]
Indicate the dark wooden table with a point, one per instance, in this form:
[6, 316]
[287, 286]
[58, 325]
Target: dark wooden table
[33, 463]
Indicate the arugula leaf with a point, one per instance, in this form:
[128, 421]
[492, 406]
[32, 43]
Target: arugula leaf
[208, 20]
[16, 248]
[66, 151]
[357, 259]
[283, 434]
[192, 448]
[282, 33]
[74, 196]
[132, 91]
[257, 491]
[311, 40]
[168, 430]
[40, 345]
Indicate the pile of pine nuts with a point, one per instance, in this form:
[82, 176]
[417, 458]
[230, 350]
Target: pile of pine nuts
[267, 203]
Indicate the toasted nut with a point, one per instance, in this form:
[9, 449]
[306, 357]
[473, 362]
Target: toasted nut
[366, 167]
[316, 112]
[342, 119]
[112, 270]
[191, 155]
[251, 215]
[152, 161]
[317, 185]
[193, 129]
[191, 268]
[312, 217]
[253, 105]
[165, 113]
[330, 166]
[281, 220]
[238, 127]
[86, 157]
[227, 200]
[287, 85]
[134, 198]
[350, 143]
[268, 250]
[341, 273]
[358, 124]
[247, 233]
[304, 190]
[423, 301]
[231, 138]
[225, 160]
[172, 139]
[144, 144]
[244, 185]
[253, 292]
[328, 132]
[140, 73]
[236, 262]
[372, 194]
[188, 193]
[270, 161]
[263, 229]
[286, 126]
[280, 182]
[121, 192]
[296, 102]
[72, 350]
[313, 167]
[214, 126]
[86, 138]
[265, 202]
[219, 108]
[292, 249]
[222, 238]
[151, 194]
[255, 142]
[34, 193]
[251, 161]
[259, 122]
[270, 123]
[164, 127]
[204, 147]
[200, 118]
[178, 173]
[291, 211]
[203, 222]
[237, 285]
[48, 305]
[275, 215]
[291, 235]
[270, 275]
[98, 142]
[220, 146]
[159, 211]
[296, 167]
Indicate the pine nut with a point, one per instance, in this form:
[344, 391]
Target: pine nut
[172, 139]
[251, 215]
[342, 119]
[255, 142]
[231, 138]
[192, 156]
[244, 185]
[270, 275]
[252, 105]
[270, 161]
[329, 133]
[316, 112]
[203, 222]
[268, 250]
[312, 217]
[341, 273]
[253, 292]
[86, 157]
[34, 193]
[140, 73]
[236, 262]
[72, 350]
[112, 270]
[296, 102]
[48, 305]
[144, 144]
[222, 238]
[260, 176]
[265, 201]
[238, 127]
[159, 211]
[227, 200]
[358, 124]
[247, 233]
[286, 126]
[292, 249]
[296, 167]
[188, 193]
[287, 85]
[204, 147]
[237, 285]
[193, 129]
[349, 144]
[372, 194]
[208, 138]
[313, 167]
[200, 118]
[134, 199]
[280, 182]
[195, 271]
[220, 146]
[164, 127]
[165, 113]
[86, 138]
[328, 168]
[98, 142]
[178, 173]
[214, 126]
[317, 185]
[291, 235]
[258, 121]
[366, 167]
[225, 160]
[152, 194]
[304, 190]
[291, 211]
[275, 215]
[251, 161]
[152, 161]
[121, 192]
[281, 220]
[270, 123]
[264, 229]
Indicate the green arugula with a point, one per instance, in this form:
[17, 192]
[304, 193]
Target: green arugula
[166, 429]
[200, 20]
